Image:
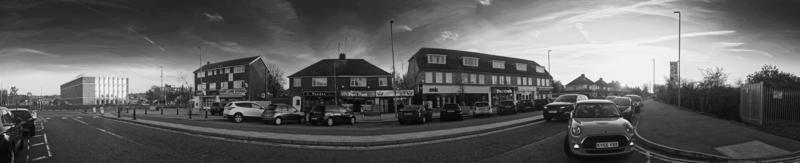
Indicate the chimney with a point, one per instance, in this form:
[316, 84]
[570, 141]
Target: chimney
[342, 56]
[582, 75]
[208, 62]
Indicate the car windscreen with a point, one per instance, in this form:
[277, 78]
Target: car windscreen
[22, 114]
[622, 101]
[335, 110]
[482, 104]
[450, 106]
[571, 99]
[318, 109]
[596, 110]
[507, 103]
[410, 108]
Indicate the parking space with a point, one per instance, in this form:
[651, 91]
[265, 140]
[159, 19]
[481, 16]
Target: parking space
[37, 147]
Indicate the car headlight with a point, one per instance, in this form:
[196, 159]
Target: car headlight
[575, 131]
[333, 114]
[628, 128]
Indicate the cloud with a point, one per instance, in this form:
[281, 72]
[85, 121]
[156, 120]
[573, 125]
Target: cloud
[753, 51]
[579, 15]
[485, 2]
[448, 36]
[672, 37]
[8, 52]
[730, 44]
[583, 32]
[213, 17]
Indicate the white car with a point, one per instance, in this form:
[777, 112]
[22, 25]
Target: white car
[482, 108]
[239, 110]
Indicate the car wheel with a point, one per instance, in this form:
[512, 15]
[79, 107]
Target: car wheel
[329, 122]
[567, 151]
[238, 118]
[278, 121]
[352, 120]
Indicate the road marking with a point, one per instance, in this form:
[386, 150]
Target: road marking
[37, 144]
[39, 158]
[80, 121]
[63, 117]
[110, 133]
[28, 156]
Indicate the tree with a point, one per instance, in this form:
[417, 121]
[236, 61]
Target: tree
[770, 75]
[713, 78]
[558, 87]
[276, 79]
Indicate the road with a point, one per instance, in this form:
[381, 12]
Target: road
[78, 137]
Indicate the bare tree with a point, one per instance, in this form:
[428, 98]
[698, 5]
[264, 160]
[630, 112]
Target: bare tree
[276, 79]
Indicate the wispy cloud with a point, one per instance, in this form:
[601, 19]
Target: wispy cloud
[213, 17]
[8, 52]
[673, 37]
[583, 32]
[752, 51]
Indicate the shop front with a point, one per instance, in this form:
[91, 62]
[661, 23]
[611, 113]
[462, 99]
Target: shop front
[435, 96]
[208, 97]
[315, 98]
[526, 93]
[544, 93]
[503, 94]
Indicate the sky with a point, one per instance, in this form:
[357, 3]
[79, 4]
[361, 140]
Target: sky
[45, 43]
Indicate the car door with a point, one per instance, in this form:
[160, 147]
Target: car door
[293, 113]
[255, 110]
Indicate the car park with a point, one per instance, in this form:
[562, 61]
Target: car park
[238, 111]
[625, 106]
[482, 108]
[330, 115]
[13, 140]
[451, 112]
[637, 102]
[278, 114]
[217, 107]
[596, 128]
[24, 119]
[506, 107]
[414, 113]
[561, 107]
[525, 106]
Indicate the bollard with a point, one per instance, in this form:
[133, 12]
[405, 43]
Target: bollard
[145, 110]
[190, 113]
[134, 114]
[206, 114]
[162, 110]
[119, 113]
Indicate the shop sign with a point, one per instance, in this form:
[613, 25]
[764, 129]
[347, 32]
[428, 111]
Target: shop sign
[527, 89]
[428, 89]
[503, 91]
[236, 91]
[312, 93]
[390, 93]
[358, 93]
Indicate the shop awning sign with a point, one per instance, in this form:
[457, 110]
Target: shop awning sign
[236, 91]
[390, 93]
[358, 93]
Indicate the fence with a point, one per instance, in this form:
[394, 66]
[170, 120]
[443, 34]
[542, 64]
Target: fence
[765, 105]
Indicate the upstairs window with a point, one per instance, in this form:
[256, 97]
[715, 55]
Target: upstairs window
[201, 74]
[212, 86]
[358, 82]
[437, 59]
[428, 77]
[470, 61]
[448, 77]
[539, 69]
[223, 85]
[522, 67]
[499, 64]
[481, 79]
[238, 69]
[238, 84]
[319, 82]
[383, 82]
[297, 82]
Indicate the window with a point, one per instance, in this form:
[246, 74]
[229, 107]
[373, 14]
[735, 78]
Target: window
[230, 77]
[358, 82]
[464, 78]
[297, 82]
[438, 77]
[539, 69]
[238, 69]
[238, 83]
[539, 81]
[428, 77]
[481, 79]
[437, 59]
[201, 86]
[494, 79]
[530, 81]
[522, 67]
[448, 77]
[473, 78]
[319, 82]
[212, 86]
[502, 80]
[210, 73]
[470, 61]
[223, 85]
[200, 74]
[508, 80]
[499, 64]
[383, 82]
[519, 80]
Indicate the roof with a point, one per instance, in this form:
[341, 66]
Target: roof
[595, 101]
[344, 67]
[228, 63]
[581, 80]
[454, 61]
[601, 83]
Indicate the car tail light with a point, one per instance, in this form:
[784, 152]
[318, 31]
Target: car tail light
[228, 108]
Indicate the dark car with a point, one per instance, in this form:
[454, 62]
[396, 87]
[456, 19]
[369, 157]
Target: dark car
[539, 104]
[25, 120]
[451, 112]
[561, 107]
[525, 106]
[625, 106]
[414, 113]
[637, 102]
[506, 107]
[278, 114]
[216, 108]
[10, 144]
[330, 115]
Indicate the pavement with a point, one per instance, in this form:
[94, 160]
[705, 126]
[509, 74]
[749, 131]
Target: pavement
[684, 132]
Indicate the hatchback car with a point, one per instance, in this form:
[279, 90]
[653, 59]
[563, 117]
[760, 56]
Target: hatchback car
[451, 112]
[625, 106]
[238, 111]
[482, 108]
[278, 114]
[25, 120]
[331, 114]
[637, 102]
[414, 113]
[561, 107]
[10, 144]
[506, 107]
[596, 128]
[525, 106]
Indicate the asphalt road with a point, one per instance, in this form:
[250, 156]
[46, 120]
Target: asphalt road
[78, 137]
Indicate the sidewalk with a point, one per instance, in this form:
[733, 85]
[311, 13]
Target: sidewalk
[183, 113]
[685, 130]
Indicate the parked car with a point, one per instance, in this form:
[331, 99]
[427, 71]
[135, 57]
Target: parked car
[611, 97]
[331, 114]
[217, 107]
[596, 128]
[539, 104]
[451, 112]
[238, 111]
[414, 113]
[24, 119]
[278, 114]
[525, 106]
[506, 107]
[561, 107]
[482, 108]
[625, 106]
[637, 102]
[12, 142]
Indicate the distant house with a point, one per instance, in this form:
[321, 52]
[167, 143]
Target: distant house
[596, 89]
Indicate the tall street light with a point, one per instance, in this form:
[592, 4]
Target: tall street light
[679, 56]
[548, 61]
[394, 85]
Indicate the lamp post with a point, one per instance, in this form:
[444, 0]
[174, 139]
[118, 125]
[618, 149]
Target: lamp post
[679, 56]
[548, 61]
[653, 82]
[394, 85]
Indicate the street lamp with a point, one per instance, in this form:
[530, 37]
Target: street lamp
[394, 85]
[548, 61]
[679, 56]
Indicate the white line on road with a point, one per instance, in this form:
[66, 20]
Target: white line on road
[63, 117]
[110, 133]
[47, 145]
[80, 121]
[39, 158]
[28, 156]
[37, 144]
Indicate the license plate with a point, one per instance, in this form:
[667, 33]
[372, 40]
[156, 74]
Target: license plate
[607, 144]
[552, 111]
[408, 113]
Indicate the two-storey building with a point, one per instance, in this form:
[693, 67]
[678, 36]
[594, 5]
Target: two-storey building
[352, 83]
[450, 76]
[232, 80]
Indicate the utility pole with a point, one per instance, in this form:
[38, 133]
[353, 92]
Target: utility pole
[653, 82]
[394, 85]
[162, 86]
[200, 98]
[679, 56]
[549, 69]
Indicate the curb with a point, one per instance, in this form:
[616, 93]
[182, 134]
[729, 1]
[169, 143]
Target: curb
[330, 144]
